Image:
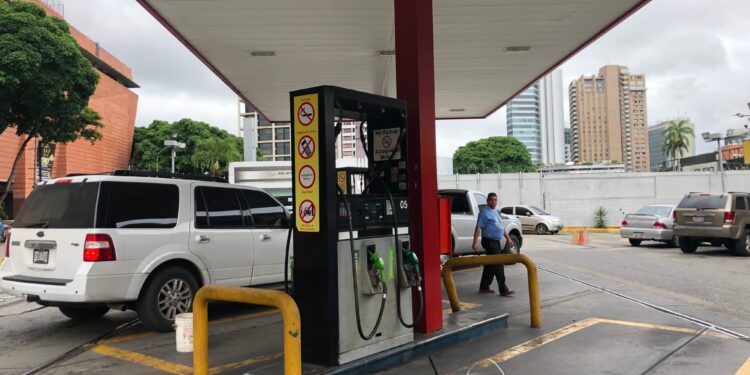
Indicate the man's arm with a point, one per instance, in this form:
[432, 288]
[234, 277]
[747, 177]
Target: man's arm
[508, 240]
[475, 243]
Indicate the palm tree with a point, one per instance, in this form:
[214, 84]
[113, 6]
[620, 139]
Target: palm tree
[214, 155]
[676, 139]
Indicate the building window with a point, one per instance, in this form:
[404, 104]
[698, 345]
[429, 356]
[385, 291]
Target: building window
[282, 134]
[265, 134]
[282, 148]
[266, 148]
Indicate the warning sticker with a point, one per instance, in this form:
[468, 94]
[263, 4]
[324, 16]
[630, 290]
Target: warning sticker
[306, 176]
[384, 142]
[307, 211]
[306, 147]
[306, 162]
[341, 181]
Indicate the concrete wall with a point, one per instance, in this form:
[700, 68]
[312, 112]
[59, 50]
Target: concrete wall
[574, 197]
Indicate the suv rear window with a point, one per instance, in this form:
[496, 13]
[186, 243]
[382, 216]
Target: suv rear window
[710, 202]
[66, 205]
[137, 205]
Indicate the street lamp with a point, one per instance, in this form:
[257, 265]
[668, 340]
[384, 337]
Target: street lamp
[710, 137]
[172, 143]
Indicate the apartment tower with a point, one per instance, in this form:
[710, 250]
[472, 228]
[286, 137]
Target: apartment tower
[535, 117]
[608, 118]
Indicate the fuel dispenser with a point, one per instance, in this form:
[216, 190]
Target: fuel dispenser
[354, 271]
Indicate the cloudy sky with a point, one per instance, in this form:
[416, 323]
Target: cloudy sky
[695, 55]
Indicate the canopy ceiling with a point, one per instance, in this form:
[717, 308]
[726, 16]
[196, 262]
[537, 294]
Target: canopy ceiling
[349, 43]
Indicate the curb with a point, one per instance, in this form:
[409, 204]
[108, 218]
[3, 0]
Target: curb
[591, 230]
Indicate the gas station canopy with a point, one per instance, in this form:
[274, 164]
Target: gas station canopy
[486, 51]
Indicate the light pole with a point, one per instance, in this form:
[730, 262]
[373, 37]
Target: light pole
[157, 157]
[173, 143]
[710, 137]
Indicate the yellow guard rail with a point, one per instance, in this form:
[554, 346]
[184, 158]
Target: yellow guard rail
[280, 300]
[450, 285]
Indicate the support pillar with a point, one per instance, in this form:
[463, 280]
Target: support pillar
[415, 83]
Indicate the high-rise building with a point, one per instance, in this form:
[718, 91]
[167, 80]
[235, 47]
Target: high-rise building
[567, 145]
[655, 140]
[274, 139]
[608, 118]
[535, 117]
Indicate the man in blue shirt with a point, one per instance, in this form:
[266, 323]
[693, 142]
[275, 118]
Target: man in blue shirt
[490, 226]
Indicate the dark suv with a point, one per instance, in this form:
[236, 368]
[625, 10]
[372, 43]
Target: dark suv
[721, 219]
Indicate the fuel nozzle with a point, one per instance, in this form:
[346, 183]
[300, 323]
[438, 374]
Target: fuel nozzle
[377, 264]
[410, 259]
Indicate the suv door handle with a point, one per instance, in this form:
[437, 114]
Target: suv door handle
[202, 239]
[265, 237]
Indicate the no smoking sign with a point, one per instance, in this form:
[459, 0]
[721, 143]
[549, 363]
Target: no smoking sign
[306, 113]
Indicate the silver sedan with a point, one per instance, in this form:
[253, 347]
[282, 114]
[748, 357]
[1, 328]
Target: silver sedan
[650, 223]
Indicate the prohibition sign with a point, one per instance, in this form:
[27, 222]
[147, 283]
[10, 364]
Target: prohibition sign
[306, 113]
[306, 147]
[307, 211]
[306, 176]
[386, 141]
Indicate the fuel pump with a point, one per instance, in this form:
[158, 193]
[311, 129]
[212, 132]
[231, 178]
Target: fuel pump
[351, 231]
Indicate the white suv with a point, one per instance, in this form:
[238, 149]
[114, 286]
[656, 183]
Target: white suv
[89, 243]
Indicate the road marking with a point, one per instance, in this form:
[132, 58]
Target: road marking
[575, 327]
[745, 369]
[142, 359]
[247, 362]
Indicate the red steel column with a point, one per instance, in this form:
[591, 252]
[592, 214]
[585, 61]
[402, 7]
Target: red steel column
[415, 82]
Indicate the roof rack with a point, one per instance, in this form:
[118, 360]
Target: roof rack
[135, 173]
[183, 176]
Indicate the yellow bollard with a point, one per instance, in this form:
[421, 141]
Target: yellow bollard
[535, 306]
[274, 298]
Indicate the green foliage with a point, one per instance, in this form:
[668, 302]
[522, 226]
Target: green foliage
[493, 155]
[149, 141]
[600, 217]
[258, 154]
[45, 81]
[676, 138]
[215, 154]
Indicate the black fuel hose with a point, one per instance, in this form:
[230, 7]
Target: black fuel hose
[399, 262]
[356, 279]
[286, 256]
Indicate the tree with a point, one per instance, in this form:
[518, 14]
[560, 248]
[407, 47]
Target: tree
[45, 81]
[148, 143]
[215, 154]
[676, 139]
[493, 155]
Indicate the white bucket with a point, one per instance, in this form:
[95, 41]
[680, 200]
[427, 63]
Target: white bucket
[184, 332]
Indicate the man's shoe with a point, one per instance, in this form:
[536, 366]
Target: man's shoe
[486, 291]
[509, 293]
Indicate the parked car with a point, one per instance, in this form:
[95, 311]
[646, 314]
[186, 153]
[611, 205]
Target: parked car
[716, 218]
[535, 219]
[86, 244]
[465, 206]
[650, 223]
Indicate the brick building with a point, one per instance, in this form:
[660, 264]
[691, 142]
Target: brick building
[113, 100]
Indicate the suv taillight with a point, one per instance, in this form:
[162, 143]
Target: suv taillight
[7, 245]
[624, 223]
[98, 248]
[729, 217]
[660, 225]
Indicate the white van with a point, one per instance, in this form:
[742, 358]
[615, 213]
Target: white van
[89, 243]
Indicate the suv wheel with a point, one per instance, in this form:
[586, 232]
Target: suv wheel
[517, 241]
[84, 312]
[742, 245]
[541, 229]
[689, 245]
[675, 242]
[634, 242]
[168, 293]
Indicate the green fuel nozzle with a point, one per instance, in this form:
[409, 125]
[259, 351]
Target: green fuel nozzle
[410, 258]
[378, 265]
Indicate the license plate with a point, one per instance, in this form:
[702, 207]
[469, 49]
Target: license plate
[698, 219]
[637, 235]
[41, 256]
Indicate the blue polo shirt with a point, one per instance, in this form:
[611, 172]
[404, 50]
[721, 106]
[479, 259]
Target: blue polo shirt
[490, 223]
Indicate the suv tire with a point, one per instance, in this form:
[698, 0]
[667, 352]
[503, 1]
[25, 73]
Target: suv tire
[689, 245]
[84, 312]
[517, 241]
[634, 242]
[742, 245]
[176, 287]
[542, 229]
[674, 242]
